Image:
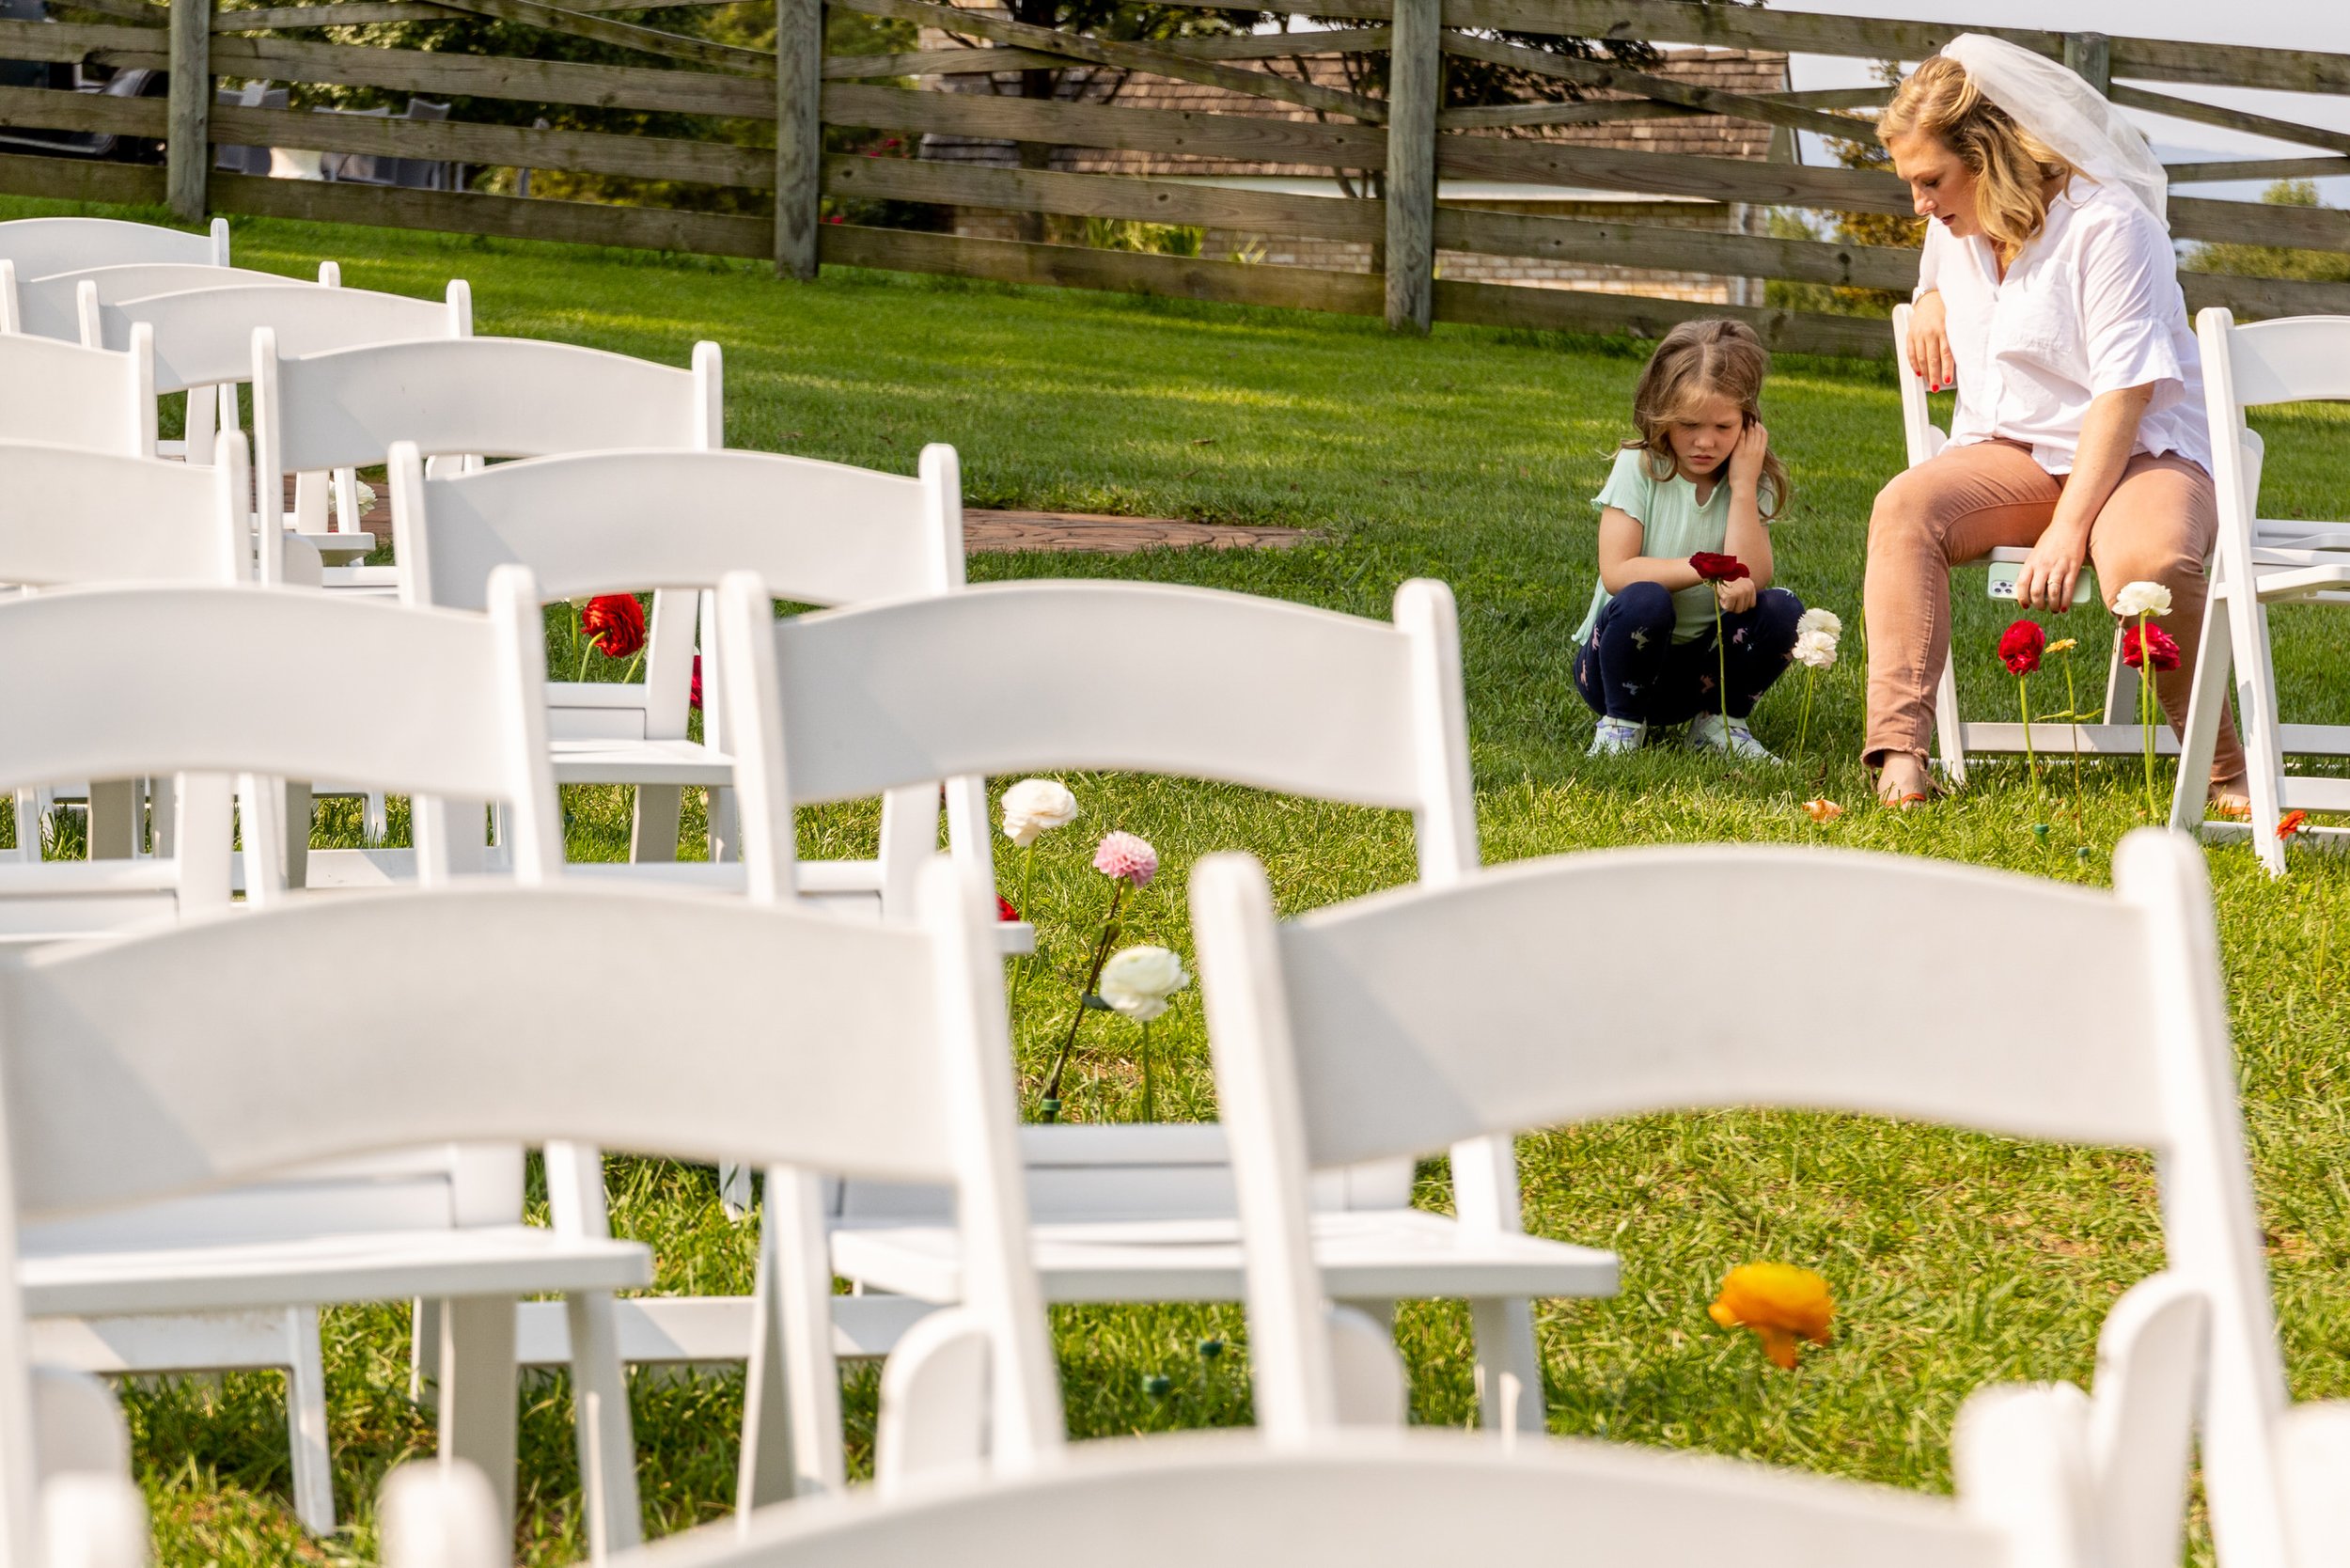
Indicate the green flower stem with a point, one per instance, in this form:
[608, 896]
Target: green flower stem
[1803, 726]
[2073, 718]
[1150, 1094]
[586, 648]
[1721, 659]
[2023, 700]
[1094, 978]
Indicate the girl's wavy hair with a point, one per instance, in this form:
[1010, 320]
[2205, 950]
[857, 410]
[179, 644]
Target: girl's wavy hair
[2010, 166]
[1698, 360]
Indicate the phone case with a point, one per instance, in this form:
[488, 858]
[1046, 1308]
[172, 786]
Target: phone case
[2003, 576]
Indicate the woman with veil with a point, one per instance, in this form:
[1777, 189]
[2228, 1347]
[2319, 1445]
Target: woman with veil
[2048, 296]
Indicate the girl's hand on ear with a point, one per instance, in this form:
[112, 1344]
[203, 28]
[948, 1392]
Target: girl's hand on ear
[1745, 464]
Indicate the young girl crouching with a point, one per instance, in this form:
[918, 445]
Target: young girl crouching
[1700, 481]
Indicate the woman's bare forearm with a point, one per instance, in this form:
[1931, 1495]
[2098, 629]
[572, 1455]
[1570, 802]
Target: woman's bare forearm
[2108, 436]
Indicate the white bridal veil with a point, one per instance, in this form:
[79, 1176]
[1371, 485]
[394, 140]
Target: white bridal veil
[2056, 105]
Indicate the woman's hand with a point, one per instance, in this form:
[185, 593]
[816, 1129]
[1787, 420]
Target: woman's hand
[2049, 574]
[1745, 464]
[1930, 343]
[1735, 596]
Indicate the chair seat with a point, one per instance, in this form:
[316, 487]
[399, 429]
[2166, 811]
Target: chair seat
[322, 1270]
[635, 762]
[1376, 1254]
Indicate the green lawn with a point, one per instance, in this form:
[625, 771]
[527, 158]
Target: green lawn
[1470, 456]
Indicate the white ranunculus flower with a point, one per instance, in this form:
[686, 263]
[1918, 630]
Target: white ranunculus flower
[2137, 599]
[367, 504]
[1816, 648]
[1034, 806]
[1820, 621]
[1138, 981]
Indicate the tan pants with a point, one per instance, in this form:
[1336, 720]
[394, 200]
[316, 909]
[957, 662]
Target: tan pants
[2158, 526]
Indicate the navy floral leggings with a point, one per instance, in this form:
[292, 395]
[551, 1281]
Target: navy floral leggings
[1631, 669]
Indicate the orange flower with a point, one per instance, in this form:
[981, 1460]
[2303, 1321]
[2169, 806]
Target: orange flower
[2293, 822]
[1823, 811]
[1780, 1302]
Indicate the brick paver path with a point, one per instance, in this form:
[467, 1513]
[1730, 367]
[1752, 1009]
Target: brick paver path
[1075, 532]
[1092, 533]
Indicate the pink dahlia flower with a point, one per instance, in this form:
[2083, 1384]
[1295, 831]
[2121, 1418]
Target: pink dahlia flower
[1130, 859]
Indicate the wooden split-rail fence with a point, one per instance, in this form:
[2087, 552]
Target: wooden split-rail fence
[1405, 135]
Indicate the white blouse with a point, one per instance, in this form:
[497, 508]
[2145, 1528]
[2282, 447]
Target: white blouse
[2090, 305]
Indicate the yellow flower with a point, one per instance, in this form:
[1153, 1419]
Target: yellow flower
[1823, 811]
[1780, 1302]
[2060, 645]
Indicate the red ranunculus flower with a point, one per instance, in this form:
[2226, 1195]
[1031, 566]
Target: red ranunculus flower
[2142, 645]
[2292, 822]
[2020, 646]
[693, 692]
[1712, 568]
[1004, 911]
[615, 622]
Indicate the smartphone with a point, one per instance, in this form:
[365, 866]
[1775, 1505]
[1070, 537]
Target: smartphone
[2003, 576]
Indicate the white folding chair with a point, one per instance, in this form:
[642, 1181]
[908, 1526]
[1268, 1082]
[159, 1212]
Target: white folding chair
[50, 306]
[141, 1070]
[1401, 1023]
[70, 396]
[204, 346]
[41, 246]
[1389, 1499]
[2262, 562]
[1956, 735]
[234, 1279]
[819, 533]
[475, 399]
[72, 516]
[846, 704]
[68, 1498]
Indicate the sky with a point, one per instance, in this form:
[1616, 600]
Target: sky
[2319, 25]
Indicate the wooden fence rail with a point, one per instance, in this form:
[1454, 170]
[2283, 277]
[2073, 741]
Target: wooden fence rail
[763, 118]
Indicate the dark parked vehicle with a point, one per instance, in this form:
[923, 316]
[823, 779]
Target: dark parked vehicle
[64, 77]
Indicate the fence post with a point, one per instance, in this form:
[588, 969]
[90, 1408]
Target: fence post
[2089, 56]
[799, 135]
[1415, 82]
[187, 143]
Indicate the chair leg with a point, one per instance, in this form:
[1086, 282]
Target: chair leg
[297, 834]
[379, 823]
[306, 1422]
[113, 831]
[734, 1190]
[2256, 712]
[725, 827]
[792, 1442]
[2206, 706]
[1950, 734]
[1509, 1366]
[600, 1424]
[477, 1391]
[424, 1352]
[653, 823]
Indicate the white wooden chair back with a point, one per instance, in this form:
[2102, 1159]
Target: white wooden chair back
[478, 397]
[453, 716]
[72, 515]
[139, 1070]
[1919, 435]
[68, 396]
[2294, 359]
[204, 334]
[51, 306]
[818, 533]
[1372, 1500]
[1405, 1022]
[42, 246]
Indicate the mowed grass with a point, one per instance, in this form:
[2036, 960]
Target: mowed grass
[1471, 457]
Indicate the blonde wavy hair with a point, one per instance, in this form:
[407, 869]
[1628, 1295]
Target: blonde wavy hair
[1695, 361]
[2010, 166]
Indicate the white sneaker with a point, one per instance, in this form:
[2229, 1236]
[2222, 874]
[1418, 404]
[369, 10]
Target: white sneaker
[1708, 732]
[1618, 736]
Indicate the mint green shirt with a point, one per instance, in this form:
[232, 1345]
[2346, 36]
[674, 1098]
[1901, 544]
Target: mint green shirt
[1673, 527]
